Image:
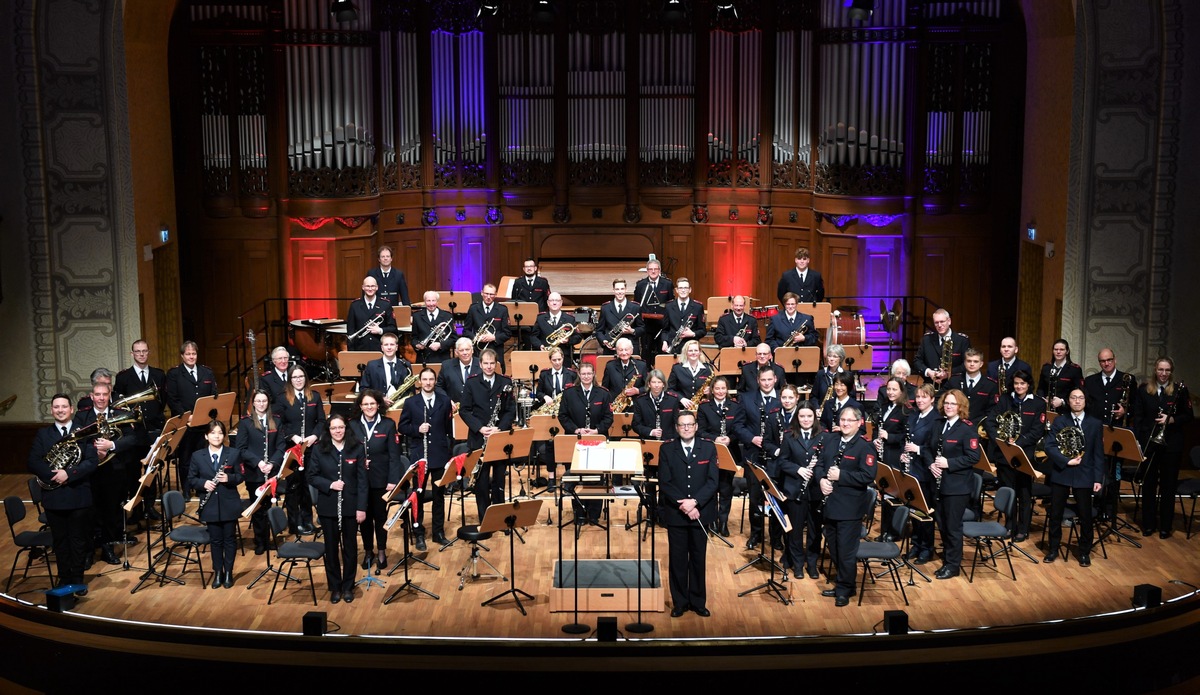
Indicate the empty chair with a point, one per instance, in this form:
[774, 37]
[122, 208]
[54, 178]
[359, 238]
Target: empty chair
[290, 554]
[886, 553]
[26, 541]
[188, 536]
[985, 533]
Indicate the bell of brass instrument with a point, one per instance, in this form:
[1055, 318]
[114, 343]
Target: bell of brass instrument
[401, 393]
[524, 399]
[796, 335]
[610, 338]
[560, 335]
[1008, 426]
[1158, 436]
[1126, 393]
[439, 334]
[109, 427]
[140, 397]
[378, 320]
[1070, 441]
[488, 328]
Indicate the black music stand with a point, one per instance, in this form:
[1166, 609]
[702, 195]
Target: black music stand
[523, 315]
[576, 627]
[773, 499]
[409, 584]
[1016, 456]
[453, 476]
[647, 502]
[406, 482]
[505, 446]
[908, 489]
[725, 462]
[1120, 444]
[507, 517]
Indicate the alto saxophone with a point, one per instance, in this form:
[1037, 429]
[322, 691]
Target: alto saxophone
[701, 395]
[550, 408]
[622, 402]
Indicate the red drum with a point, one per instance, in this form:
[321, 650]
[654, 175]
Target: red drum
[304, 338]
[847, 329]
[764, 312]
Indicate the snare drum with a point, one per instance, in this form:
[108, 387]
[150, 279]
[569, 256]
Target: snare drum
[847, 329]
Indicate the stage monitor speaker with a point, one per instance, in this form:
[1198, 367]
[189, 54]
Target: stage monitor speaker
[315, 623]
[895, 622]
[606, 629]
[1147, 596]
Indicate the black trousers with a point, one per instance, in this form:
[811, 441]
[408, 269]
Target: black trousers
[1083, 505]
[372, 530]
[724, 496]
[489, 485]
[340, 575]
[1023, 486]
[222, 537]
[804, 542]
[258, 520]
[922, 535]
[1158, 491]
[949, 514]
[688, 548]
[108, 494]
[842, 537]
[438, 497]
[71, 530]
[298, 502]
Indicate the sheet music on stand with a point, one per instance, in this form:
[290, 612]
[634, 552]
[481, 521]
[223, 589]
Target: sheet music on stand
[604, 458]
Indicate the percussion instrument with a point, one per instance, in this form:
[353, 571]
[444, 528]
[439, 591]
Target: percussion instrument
[847, 329]
[311, 336]
[764, 312]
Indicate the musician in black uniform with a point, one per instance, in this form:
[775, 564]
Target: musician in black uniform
[451, 376]
[1110, 392]
[763, 357]
[109, 483]
[99, 375]
[1077, 473]
[720, 418]
[845, 469]
[689, 374]
[387, 372]
[892, 420]
[687, 482]
[531, 287]
[1058, 377]
[302, 422]
[1032, 413]
[487, 324]
[835, 363]
[951, 457]
[585, 410]
[382, 465]
[901, 370]
[392, 285]
[804, 282]
[371, 315]
[260, 451]
[556, 379]
[1008, 364]
[424, 323]
[736, 328]
[652, 293]
[488, 407]
[843, 387]
[791, 321]
[188, 382]
[683, 318]
[920, 435]
[130, 381]
[761, 407]
[792, 472]
[335, 471]
[654, 412]
[275, 380]
[215, 472]
[981, 391]
[1162, 405]
[929, 355]
[425, 419]
[69, 505]
[613, 313]
[554, 319]
[624, 375]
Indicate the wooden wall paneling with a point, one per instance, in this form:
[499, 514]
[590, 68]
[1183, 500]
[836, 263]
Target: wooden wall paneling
[733, 256]
[1029, 297]
[839, 266]
[949, 274]
[311, 277]
[354, 257]
[679, 243]
[511, 250]
[251, 262]
[463, 254]
[780, 257]
[882, 274]
[408, 254]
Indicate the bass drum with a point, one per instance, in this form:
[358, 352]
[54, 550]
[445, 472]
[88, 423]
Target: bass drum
[847, 329]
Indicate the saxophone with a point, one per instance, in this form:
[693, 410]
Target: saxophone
[828, 394]
[702, 394]
[622, 402]
[401, 393]
[550, 408]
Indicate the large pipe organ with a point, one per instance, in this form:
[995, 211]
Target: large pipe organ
[719, 135]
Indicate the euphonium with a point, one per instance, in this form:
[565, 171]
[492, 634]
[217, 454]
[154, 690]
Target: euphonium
[399, 394]
[560, 335]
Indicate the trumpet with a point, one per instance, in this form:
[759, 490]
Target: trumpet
[675, 341]
[610, 338]
[560, 335]
[796, 335]
[399, 394]
[378, 320]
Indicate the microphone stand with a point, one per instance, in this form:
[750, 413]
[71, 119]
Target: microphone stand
[576, 627]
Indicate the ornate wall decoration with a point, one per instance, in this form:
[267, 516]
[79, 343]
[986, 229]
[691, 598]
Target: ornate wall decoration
[347, 182]
[597, 172]
[529, 173]
[844, 179]
[662, 171]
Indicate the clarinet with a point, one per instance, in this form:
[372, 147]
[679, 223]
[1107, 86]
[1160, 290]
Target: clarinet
[906, 457]
[587, 415]
[341, 455]
[936, 455]
[721, 415]
[841, 450]
[762, 429]
[303, 401]
[208, 495]
[658, 416]
[816, 453]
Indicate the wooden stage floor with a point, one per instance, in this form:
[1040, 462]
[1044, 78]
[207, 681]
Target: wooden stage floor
[1040, 593]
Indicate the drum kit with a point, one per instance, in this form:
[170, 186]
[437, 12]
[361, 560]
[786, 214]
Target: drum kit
[319, 341]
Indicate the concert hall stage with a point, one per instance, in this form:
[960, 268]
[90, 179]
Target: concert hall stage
[1054, 621]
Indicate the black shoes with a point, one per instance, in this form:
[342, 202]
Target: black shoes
[336, 597]
[812, 572]
[259, 549]
[1148, 531]
[678, 611]
[109, 556]
[1085, 560]
[304, 530]
[724, 530]
[702, 612]
[1020, 537]
[421, 541]
[829, 593]
[841, 601]
[946, 573]
[440, 538]
[228, 583]
[923, 557]
[1051, 556]
[366, 563]
[216, 580]
[1164, 534]
[348, 596]
[754, 541]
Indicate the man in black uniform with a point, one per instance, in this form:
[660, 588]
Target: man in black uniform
[275, 379]
[392, 285]
[484, 395]
[487, 323]
[1080, 474]
[763, 357]
[845, 469]
[1109, 390]
[69, 505]
[761, 407]
[188, 382]
[736, 328]
[551, 321]
[133, 380]
[980, 390]
[652, 293]
[1008, 364]
[791, 322]
[430, 348]
[929, 355]
[387, 372]
[110, 482]
[613, 313]
[804, 282]
[584, 410]
[687, 483]
[369, 317]
[620, 372]
[425, 419]
[683, 319]
[531, 287]
[455, 372]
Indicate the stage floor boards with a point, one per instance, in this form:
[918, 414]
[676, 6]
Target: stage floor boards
[1041, 592]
